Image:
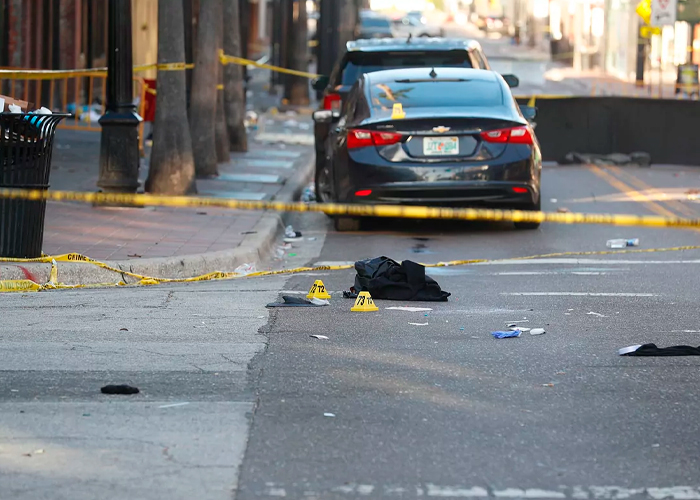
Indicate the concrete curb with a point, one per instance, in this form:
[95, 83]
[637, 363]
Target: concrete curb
[254, 248]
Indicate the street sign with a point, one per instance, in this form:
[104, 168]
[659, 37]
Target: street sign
[643, 10]
[663, 12]
[648, 31]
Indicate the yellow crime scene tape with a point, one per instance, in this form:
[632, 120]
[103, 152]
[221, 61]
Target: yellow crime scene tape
[353, 210]
[141, 280]
[50, 74]
[249, 62]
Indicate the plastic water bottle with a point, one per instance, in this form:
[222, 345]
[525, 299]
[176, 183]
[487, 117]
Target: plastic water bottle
[623, 243]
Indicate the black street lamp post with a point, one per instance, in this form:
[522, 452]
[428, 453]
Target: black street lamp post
[119, 149]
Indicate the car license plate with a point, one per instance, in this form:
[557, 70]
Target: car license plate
[440, 146]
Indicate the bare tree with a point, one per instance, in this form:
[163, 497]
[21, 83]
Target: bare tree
[223, 144]
[172, 165]
[297, 87]
[234, 96]
[203, 97]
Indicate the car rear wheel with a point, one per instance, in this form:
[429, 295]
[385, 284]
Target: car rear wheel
[530, 225]
[324, 190]
[343, 224]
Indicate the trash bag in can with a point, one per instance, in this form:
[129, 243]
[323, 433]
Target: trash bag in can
[26, 142]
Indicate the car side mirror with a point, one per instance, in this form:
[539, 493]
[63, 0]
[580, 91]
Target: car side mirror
[320, 83]
[512, 80]
[529, 112]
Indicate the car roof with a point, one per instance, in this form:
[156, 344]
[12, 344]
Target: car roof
[391, 75]
[420, 43]
[371, 13]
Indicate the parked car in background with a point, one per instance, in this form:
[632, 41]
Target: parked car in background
[434, 136]
[373, 25]
[494, 24]
[367, 56]
[415, 26]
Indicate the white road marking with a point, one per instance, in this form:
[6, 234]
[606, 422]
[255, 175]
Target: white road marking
[359, 489]
[456, 492]
[548, 273]
[409, 309]
[354, 490]
[173, 405]
[530, 493]
[676, 492]
[578, 294]
[583, 261]
[615, 492]
[274, 491]
[596, 314]
[365, 489]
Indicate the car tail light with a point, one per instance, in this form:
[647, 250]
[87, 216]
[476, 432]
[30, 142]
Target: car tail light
[363, 192]
[362, 138]
[516, 135]
[520, 190]
[331, 102]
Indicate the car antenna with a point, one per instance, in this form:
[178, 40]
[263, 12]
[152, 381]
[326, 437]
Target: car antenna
[410, 35]
[433, 74]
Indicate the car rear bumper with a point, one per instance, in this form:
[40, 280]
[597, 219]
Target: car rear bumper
[514, 183]
[473, 194]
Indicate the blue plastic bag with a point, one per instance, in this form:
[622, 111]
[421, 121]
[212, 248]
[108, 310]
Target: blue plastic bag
[506, 335]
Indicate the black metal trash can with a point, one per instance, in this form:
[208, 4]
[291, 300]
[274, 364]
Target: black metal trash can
[26, 143]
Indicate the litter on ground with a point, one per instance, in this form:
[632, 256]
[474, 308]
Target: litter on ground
[409, 309]
[506, 335]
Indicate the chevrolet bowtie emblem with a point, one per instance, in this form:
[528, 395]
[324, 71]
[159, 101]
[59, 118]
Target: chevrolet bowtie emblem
[441, 130]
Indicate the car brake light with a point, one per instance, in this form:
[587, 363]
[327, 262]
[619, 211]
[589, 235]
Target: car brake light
[363, 138]
[520, 190]
[363, 192]
[331, 102]
[516, 135]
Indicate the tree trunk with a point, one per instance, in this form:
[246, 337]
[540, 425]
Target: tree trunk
[172, 164]
[203, 98]
[234, 93]
[296, 87]
[223, 144]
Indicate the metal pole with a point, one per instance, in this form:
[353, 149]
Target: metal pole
[641, 60]
[119, 145]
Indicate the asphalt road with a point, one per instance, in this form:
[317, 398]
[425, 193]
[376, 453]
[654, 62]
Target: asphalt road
[445, 410]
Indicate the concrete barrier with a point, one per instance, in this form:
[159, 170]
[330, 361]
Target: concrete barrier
[667, 129]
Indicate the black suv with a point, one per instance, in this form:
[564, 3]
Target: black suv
[368, 56]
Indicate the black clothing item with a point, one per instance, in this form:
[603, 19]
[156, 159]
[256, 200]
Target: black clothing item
[386, 279]
[119, 389]
[652, 350]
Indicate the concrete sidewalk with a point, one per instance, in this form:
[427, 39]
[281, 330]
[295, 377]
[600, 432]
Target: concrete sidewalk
[166, 242]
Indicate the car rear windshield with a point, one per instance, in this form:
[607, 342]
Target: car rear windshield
[436, 94]
[361, 63]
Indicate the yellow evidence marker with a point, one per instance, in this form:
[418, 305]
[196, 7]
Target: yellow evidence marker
[318, 291]
[364, 303]
[398, 113]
